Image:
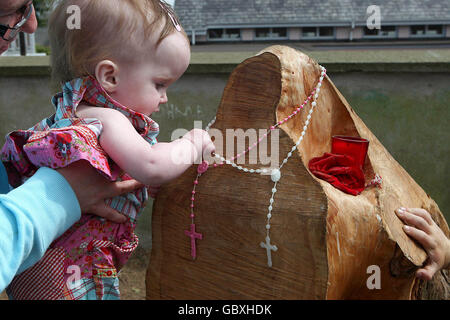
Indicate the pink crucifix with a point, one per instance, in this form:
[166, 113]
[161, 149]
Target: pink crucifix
[193, 235]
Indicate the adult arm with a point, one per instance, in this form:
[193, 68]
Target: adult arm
[31, 217]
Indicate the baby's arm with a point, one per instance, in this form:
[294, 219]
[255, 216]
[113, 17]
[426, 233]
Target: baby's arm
[151, 165]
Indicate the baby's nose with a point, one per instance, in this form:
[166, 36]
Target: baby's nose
[164, 98]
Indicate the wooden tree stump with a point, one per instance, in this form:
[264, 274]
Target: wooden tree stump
[326, 239]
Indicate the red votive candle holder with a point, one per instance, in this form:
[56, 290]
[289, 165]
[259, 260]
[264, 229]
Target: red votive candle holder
[352, 146]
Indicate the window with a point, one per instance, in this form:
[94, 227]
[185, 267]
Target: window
[262, 33]
[318, 32]
[388, 31]
[215, 33]
[370, 32]
[326, 32]
[279, 32]
[384, 32]
[427, 31]
[434, 30]
[309, 32]
[233, 33]
[418, 30]
[270, 33]
[224, 34]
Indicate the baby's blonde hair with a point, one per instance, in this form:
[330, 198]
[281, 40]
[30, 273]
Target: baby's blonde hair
[121, 30]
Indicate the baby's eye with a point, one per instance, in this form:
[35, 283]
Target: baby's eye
[160, 85]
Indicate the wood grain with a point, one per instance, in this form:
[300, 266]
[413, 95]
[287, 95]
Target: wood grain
[326, 239]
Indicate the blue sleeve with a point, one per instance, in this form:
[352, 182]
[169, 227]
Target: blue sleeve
[31, 217]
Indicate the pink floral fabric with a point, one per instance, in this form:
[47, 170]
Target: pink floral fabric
[93, 249]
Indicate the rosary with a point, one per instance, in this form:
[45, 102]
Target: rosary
[275, 174]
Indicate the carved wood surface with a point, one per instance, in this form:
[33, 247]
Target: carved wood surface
[326, 239]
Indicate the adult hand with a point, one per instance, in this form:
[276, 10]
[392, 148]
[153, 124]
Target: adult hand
[420, 226]
[91, 189]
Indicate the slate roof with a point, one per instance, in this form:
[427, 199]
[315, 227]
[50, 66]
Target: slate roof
[203, 14]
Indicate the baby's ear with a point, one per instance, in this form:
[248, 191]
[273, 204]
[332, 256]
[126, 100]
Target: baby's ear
[106, 73]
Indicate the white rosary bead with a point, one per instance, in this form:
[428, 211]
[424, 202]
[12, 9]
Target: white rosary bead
[289, 154]
[263, 171]
[270, 208]
[271, 200]
[316, 95]
[313, 103]
[308, 117]
[245, 170]
[293, 148]
[269, 216]
[306, 122]
[276, 174]
[251, 170]
[258, 170]
[284, 162]
[268, 226]
[274, 190]
[239, 167]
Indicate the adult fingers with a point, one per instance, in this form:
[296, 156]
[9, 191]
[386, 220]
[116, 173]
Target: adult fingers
[427, 272]
[423, 238]
[421, 213]
[414, 220]
[108, 213]
[120, 187]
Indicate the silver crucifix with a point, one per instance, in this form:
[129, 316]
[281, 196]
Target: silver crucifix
[268, 248]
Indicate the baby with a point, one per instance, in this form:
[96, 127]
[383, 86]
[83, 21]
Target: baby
[115, 72]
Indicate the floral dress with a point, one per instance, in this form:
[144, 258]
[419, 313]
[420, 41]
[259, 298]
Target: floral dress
[83, 262]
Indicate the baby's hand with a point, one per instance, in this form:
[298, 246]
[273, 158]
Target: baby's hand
[202, 142]
[208, 147]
